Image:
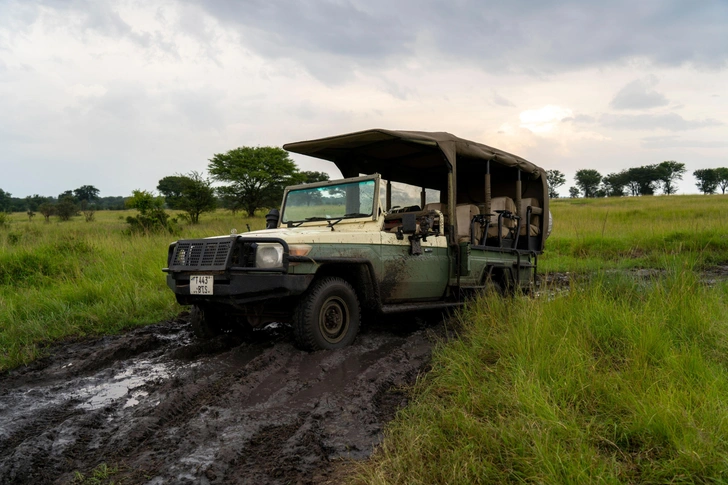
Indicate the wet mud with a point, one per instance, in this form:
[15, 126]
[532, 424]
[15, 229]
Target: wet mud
[161, 406]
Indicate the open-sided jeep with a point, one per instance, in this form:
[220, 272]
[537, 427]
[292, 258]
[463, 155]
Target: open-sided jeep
[469, 216]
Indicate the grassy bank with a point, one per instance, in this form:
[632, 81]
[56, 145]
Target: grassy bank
[619, 381]
[76, 278]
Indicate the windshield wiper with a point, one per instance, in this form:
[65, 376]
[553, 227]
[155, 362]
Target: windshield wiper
[334, 221]
[315, 218]
[357, 214]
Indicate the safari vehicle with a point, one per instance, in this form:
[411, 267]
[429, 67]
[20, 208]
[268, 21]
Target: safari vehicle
[470, 215]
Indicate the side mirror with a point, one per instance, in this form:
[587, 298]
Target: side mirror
[271, 219]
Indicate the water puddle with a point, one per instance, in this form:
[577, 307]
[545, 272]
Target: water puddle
[95, 394]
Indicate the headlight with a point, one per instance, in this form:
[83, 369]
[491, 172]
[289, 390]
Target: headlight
[269, 255]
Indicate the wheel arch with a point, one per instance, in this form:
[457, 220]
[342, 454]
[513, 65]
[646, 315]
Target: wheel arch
[360, 276]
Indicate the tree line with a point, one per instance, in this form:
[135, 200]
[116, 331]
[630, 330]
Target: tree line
[32, 203]
[254, 178]
[644, 180]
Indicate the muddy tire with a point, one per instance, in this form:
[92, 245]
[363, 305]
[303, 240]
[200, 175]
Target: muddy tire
[206, 322]
[327, 317]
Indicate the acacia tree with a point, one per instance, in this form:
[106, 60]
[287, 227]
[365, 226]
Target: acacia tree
[257, 175]
[189, 193]
[574, 192]
[613, 184]
[643, 180]
[722, 174]
[87, 193]
[588, 181]
[668, 173]
[707, 180]
[555, 180]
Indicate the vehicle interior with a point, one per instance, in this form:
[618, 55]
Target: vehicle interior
[487, 197]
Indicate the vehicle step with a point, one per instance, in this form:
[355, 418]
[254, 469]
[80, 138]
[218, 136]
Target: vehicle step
[408, 307]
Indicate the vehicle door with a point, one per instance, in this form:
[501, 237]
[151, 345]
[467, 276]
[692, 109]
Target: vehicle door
[407, 276]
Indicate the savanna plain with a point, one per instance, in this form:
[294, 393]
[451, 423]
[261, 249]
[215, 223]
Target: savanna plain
[615, 369]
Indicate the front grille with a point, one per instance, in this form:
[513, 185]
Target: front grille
[201, 254]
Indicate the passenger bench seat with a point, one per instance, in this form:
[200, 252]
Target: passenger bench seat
[535, 227]
[501, 204]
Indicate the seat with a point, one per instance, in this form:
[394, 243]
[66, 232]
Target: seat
[465, 214]
[530, 217]
[501, 204]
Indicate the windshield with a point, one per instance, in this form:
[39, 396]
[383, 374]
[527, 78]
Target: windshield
[340, 201]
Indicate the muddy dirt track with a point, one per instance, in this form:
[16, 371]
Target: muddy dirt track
[166, 407]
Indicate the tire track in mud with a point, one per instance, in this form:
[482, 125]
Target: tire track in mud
[165, 407]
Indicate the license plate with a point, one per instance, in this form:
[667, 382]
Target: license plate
[201, 284]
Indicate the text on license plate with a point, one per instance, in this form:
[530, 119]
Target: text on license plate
[201, 284]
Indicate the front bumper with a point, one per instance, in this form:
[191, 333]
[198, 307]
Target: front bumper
[231, 261]
[240, 288]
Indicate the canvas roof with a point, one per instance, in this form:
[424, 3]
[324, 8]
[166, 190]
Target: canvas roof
[414, 157]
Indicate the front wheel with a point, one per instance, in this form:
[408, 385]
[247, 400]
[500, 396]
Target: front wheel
[327, 317]
[210, 321]
[206, 323]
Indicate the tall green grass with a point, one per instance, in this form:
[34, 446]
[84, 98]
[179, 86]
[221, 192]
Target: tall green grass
[634, 232]
[619, 381]
[76, 278]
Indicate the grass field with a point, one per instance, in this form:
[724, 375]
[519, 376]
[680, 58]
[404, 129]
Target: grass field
[619, 380]
[62, 279]
[77, 278]
[637, 232]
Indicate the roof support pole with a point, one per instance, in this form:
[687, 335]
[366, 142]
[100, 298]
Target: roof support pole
[423, 199]
[518, 193]
[488, 193]
[389, 195]
[451, 209]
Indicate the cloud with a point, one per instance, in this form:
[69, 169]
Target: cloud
[544, 120]
[517, 36]
[580, 119]
[662, 142]
[639, 94]
[669, 121]
[499, 100]
[83, 19]
[87, 90]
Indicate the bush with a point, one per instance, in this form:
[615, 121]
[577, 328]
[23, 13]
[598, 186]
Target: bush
[152, 216]
[66, 208]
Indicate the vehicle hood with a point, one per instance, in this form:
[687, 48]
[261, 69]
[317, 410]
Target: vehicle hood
[358, 233]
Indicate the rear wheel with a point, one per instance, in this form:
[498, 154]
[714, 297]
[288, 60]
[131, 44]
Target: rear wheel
[328, 316]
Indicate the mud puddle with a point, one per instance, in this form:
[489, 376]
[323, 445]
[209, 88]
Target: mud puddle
[164, 407]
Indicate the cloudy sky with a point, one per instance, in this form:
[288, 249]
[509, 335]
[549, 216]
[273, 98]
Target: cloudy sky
[118, 94]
